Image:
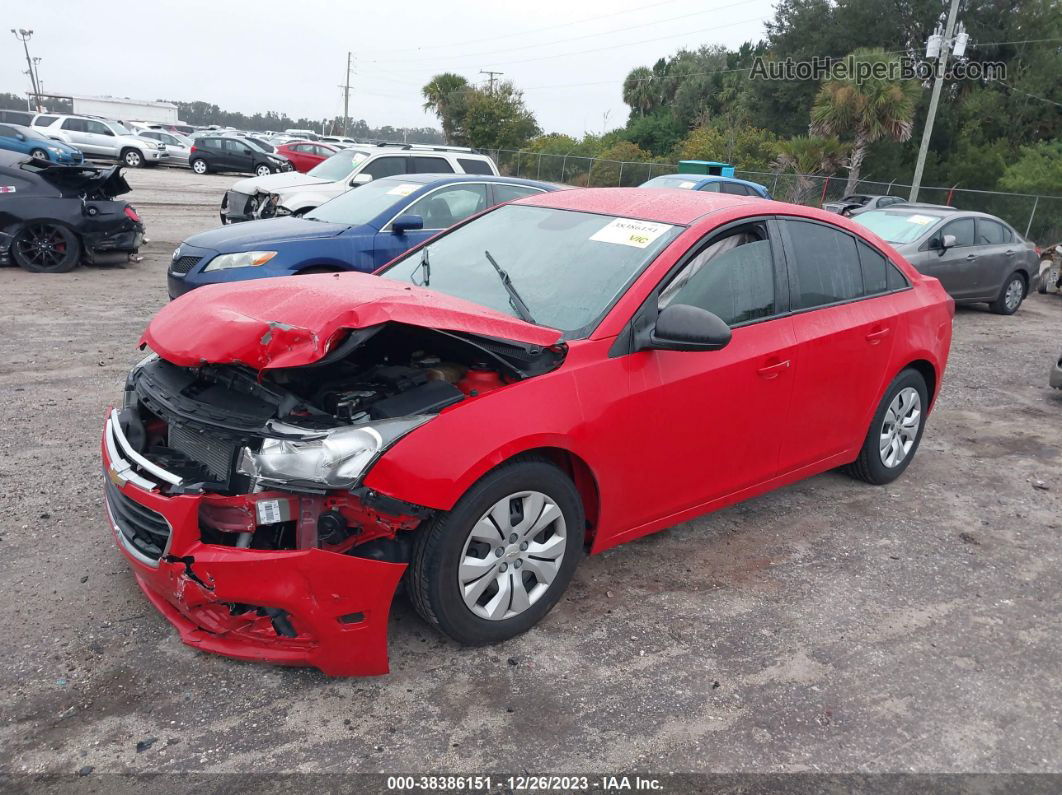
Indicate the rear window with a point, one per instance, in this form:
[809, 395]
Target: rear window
[432, 165]
[990, 233]
[471, 166]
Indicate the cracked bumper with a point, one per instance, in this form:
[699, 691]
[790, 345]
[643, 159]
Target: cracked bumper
[337, 604]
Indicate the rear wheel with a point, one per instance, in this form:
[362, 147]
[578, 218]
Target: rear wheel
[1010, 296]
[496, 564]
[39, 154]
[132, 158]
[199, 166]
[46, 248]
[895, 431]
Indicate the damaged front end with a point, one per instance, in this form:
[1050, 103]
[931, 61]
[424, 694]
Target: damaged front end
[237, 206]
[237, 491]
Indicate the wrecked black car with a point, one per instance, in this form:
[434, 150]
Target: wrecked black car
[54, 216]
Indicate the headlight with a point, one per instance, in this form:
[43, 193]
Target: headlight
[55, 149]
[246, 259]
[335, 459]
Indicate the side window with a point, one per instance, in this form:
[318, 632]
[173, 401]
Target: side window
[73, 125]
[895, 280]
[875, 269]
[236, 146]
[710, 187]
[474, 166]
[385, 167]
[323, 151]
[6, 132]
[827, 265]
[448, 206]
[732, 276]
[97, 128]
[734, 189]
[990, 233]
[963, 229]
[44, 121]
[508, 193]
[432, 165]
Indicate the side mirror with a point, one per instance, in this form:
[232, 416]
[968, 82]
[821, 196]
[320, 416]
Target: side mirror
[407, 223]
[247, 151]
[948, 242]
[681, 327]
[361, 179]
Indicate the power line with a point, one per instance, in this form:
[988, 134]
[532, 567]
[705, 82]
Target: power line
[569, 23]
[1026, 93]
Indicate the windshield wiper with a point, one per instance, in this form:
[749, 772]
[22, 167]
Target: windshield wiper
[514, 297]
[425, 265]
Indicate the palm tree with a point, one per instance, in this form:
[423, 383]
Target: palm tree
[868, 110]
[443, 95]
[638, 90]
[807, 157]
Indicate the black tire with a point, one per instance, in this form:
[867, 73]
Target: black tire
[43, 247]
[199, 166]
[39, 154]
[433, 573]
[263, 170]
[132, 158]
[869, 466]
[1000, 306]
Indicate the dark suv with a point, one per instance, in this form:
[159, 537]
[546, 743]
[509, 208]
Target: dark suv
[224, 153]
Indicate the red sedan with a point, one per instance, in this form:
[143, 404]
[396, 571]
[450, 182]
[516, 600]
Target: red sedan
[304, 155]
[556, 376]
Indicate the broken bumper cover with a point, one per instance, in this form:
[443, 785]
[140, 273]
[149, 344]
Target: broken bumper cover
[237, 207]
[223, 599]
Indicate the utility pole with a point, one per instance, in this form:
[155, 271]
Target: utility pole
[490, 77]
[23, 35]
[346, 101]
[936, 46]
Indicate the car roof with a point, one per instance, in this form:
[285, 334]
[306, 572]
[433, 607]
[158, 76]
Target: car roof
[446, 179]
[664, 205]
[704, 179]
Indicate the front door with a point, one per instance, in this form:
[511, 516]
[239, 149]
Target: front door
[957, 267]
[706, 424]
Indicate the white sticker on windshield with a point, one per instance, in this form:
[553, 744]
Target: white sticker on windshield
[402, 190]
[629, 232]
[921, 220]
[687, 185]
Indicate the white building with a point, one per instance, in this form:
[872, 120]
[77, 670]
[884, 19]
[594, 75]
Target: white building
[122, 108]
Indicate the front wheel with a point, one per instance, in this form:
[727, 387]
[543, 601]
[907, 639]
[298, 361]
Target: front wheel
[496, 564]
[46, 248]
[895, 431]
[39, 154]
[132, 158]
[199, 166]
[263, 171]
[1010, 296]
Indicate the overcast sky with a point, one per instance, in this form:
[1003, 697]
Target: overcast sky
[570, 58]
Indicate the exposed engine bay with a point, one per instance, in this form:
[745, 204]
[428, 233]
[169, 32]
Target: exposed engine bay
[278, 455]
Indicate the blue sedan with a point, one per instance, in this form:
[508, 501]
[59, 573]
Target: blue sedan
[360, 230]
[16, 138]
[736, 187]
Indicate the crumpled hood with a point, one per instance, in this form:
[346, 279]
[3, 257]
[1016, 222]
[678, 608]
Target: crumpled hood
[275, 182]
[290, 322]
[75, 180]
[266, 232]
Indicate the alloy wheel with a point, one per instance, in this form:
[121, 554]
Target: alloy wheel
[132, 159]
[199, 167]
[512, 555]
[263, 171]
[899, 430]
[42, 245]
[1015, 292]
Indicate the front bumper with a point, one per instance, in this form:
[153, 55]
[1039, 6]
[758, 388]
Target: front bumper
[337, 605]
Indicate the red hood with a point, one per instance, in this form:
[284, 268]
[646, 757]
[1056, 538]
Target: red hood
[288, 322]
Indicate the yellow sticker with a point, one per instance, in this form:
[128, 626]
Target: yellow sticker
[921, 220]
[402, 190]
[630, 232]
[687, 185]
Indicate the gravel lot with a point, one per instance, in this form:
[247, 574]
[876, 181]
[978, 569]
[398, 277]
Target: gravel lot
[830, 626]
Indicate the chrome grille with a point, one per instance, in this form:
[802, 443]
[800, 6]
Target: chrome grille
[184, 264]
[144, 531]
[215, 454]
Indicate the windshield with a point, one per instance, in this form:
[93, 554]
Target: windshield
[361, 205]
[897, 226]
[671, 181]
[118, 128]
[568, 267]
[339, 165]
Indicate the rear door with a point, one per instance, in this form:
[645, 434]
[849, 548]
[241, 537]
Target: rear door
[845, 330]
[996, 256]
[957, 267]
[77, 133]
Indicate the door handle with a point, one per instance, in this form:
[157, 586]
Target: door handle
[772, 371]
[1009, 252]
[877, 335]
[971, 256]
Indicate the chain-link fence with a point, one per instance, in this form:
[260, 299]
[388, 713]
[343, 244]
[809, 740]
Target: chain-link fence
[1039, 218]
